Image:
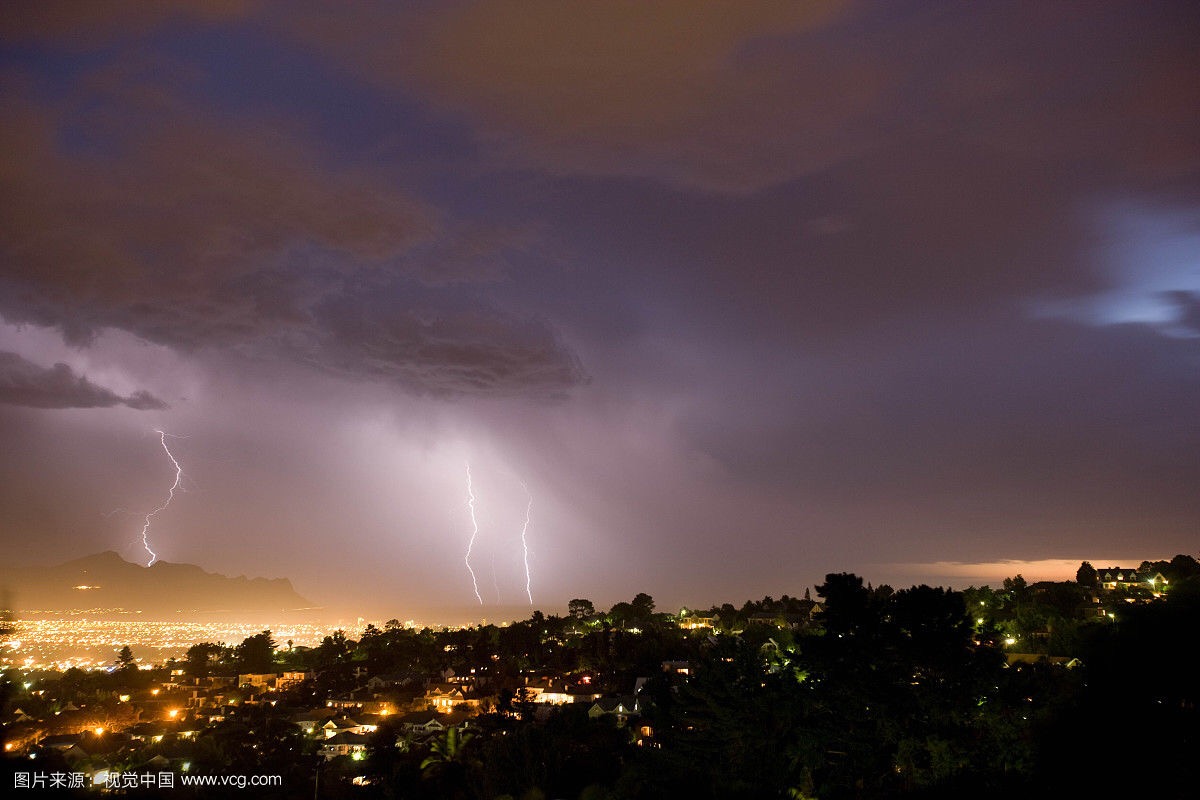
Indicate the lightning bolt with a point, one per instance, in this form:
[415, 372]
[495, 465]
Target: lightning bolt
[474, 533]
[162, 437]
[525, 542]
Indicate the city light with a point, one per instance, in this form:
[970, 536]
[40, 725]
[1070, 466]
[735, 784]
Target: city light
[75, 641]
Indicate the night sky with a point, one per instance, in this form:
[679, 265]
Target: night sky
[742, 293]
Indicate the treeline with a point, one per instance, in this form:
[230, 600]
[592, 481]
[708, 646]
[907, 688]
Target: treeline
[888, 694]
[859, 692]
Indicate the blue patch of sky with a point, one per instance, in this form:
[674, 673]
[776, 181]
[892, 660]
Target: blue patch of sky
[247, 71]
[54, 77]
[1149, 257]
[354, 123]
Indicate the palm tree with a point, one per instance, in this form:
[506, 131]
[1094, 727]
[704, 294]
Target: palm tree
[448, 762]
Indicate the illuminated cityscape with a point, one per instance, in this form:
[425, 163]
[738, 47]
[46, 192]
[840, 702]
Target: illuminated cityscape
[633, 681]
[59, 644]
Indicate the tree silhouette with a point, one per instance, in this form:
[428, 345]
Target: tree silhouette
[256, 653]
[449, 764]
[581, 609]
[125, 661]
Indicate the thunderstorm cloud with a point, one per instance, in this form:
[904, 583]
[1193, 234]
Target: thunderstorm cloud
[745, 293]
[23, 383]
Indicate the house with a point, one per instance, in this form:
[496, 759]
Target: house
[357, 701]
[61, 742]
[445, 697]
[147, 732]
[1034, 658]
[261, 680]
[332, 726]
[423, 723]
[1113, 578]
[308, 721]
[393, 680]
[621, 708]
[291, 678]
[545, 691]
[344, 744]
[18, 716]
[1091, 608]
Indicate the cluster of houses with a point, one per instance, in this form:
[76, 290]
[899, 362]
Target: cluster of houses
[1113, 579]
[1121, 585]
[177, 710]
[346, 722]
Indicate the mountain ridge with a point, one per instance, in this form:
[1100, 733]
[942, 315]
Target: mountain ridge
[107, 582]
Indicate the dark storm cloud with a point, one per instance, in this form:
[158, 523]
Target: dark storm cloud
[852, 281]
[442, 351]
[130, 209]
[731, 96]
[1187, 309]
[867, 162]
[23, 383]
[84, 25]
[736, 97]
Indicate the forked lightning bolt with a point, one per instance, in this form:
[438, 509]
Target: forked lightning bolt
[474, 533]
[162, 437]
[525, 542]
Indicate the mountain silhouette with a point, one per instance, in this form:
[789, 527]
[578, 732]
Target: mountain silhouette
[165, 591]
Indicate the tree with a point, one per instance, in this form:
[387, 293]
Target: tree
[1087, 575]
[581, 609]
[1017, 590]
[643, 606]
[125, 660]
[200, 657]
[449, 763]
[1182, 567]
[256, 653]
[847, 603]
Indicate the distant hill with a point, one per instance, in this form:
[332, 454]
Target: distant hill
[164, 591]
